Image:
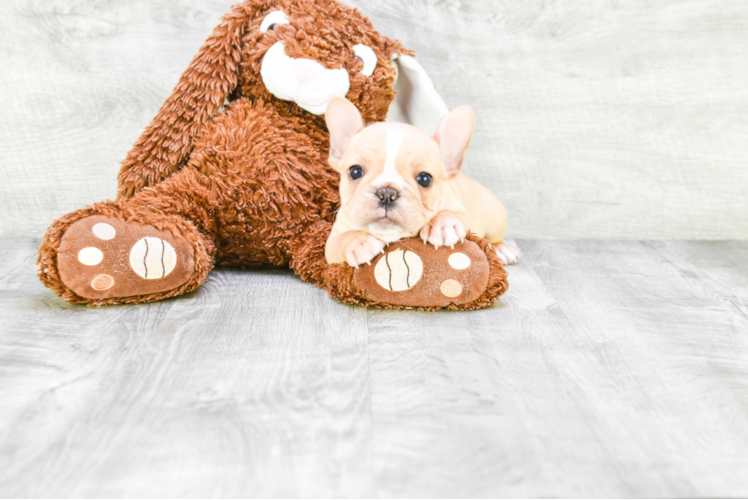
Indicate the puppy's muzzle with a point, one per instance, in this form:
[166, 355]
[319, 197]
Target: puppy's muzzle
[387, 197]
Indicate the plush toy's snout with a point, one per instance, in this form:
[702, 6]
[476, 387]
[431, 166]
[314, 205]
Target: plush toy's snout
[303, 81]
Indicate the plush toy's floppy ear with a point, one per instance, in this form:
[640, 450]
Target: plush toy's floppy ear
[453, 136]
[203, 88]
[417, 102]
[343, 122]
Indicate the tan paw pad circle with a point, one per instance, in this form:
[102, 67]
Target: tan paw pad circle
[104, 231]
[90, 256]
[399, 270]
[152, 258]
[451, 288]
[102, 282]
[459, 261]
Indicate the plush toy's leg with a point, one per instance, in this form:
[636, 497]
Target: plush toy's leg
[409, 275]
[128, 252]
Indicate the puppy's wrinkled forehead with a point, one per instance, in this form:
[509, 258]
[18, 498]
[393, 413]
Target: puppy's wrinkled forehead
[394, 149]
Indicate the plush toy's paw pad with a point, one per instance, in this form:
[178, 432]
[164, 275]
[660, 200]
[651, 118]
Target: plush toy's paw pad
[412, 273]
[103, 257]
[507, 254]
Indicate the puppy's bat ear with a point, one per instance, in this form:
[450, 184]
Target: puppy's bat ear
[417, 102]
[343, 122]
[201, 91]
[453, 137]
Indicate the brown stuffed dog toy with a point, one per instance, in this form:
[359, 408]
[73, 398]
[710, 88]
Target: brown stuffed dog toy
[233, 171]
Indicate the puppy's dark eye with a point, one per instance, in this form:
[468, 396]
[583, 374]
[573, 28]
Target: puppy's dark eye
[272, 27]
[356, 172]
[424, 180]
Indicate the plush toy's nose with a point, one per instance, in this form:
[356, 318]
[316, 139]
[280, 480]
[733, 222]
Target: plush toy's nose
[307, 70]
[387, 197]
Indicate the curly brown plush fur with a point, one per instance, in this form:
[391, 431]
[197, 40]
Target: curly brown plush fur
[248, 185]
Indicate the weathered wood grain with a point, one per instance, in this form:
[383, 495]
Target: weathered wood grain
[595, 119]
[610, 369]
[255, 385]
[605, 372]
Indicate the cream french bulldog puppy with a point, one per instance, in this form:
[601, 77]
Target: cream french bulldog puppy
[397, 182]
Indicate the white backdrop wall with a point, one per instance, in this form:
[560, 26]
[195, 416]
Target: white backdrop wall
[597, 119]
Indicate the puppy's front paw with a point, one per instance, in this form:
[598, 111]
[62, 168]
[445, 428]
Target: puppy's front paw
[507, 254]
[444, 230]
[363, 249]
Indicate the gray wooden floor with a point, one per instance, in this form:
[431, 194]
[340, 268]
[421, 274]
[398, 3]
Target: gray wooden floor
[609, 369]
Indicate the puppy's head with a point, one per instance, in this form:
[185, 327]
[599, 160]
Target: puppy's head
[307, 52]
[392, 174]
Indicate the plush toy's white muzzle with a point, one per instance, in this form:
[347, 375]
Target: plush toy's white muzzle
[303, 81]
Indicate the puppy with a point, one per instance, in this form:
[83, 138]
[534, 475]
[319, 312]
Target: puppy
[397, 182]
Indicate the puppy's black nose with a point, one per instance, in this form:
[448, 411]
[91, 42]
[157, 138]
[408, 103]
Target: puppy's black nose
[387, 197]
